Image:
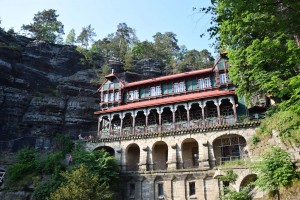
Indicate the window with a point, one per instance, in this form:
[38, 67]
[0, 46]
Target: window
[116, 96]
[152, 91]
[160, 189]
[192, 187]
[131, 190]
[111, 85]
[136, 94]
[158, 91]
[201, 84]
[204, 83]
[176, 88]
[130, 95]
[181, 87]
[105, 97]
[207, 82]
[223, 78]
[111, 97]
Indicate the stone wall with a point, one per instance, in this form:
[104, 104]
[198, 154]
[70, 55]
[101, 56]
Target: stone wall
[176, 179]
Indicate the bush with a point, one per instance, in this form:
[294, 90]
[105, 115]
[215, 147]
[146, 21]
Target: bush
[255, 139]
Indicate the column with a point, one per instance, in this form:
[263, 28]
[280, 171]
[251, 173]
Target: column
[172, 157]
[146, 122]
[133, 123]
[121, 124]
[218, 109]
[203, 155]
[99, 122]
[233, 108]
[173, 117]
[143, 159]
[188, 107]
[159, 120]
[203, 113]
[109, 125]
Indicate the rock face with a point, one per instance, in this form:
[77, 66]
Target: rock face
[43, 90]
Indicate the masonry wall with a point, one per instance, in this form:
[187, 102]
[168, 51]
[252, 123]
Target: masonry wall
[175, 179]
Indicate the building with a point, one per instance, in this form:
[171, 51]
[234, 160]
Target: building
[169, 133]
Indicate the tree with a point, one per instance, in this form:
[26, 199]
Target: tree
[81, 184]
[262, 38]
[275, 170]
[71, 37]
[86, 36]
[45, 26]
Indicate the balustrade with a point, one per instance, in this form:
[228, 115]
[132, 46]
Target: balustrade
[199, 123]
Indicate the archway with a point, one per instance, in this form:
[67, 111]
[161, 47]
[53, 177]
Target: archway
[115, 125]
[160, 155]
[127, 124]
[228, 148]
[140, 121]
[227, 114]
[108, 149]
[190, 149]
[195, 116]
[133, 157]
[167, 119]
[211, 114]
[248, 182]
[181, 118]
[153, 119]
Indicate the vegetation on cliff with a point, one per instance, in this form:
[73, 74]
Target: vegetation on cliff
[93, 175]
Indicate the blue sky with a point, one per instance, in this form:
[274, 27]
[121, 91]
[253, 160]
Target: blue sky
[147, 17]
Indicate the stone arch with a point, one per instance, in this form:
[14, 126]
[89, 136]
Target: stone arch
[108, 149]
[190, 153]
[228, 147]
[160, 155]
[132, 157]
[244, 179]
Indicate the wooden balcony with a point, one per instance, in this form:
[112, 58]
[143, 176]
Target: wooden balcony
[182, 125]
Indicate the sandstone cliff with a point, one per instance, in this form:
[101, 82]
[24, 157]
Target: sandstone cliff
[43, 90]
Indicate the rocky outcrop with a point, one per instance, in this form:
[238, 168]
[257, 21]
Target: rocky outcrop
[44, 90]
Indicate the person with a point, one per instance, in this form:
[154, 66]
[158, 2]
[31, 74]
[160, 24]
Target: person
[70, 159]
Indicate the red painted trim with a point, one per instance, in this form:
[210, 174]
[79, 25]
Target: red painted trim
[167, 100]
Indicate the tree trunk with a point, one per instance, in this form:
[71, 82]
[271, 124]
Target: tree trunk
[278, 194]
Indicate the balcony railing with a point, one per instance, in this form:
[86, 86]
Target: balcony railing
[182, 125]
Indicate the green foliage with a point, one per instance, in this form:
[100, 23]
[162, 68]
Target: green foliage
[71, 37]
[230, 176]
[285, 122]
[233, 195]
[63, 143]
[99, 163]
[81, 184]
[45, 26]
[51, 162]
[261, 38]
[255, 139]
[86, 36]
[20, 173]
[45, 188]
[275, 170]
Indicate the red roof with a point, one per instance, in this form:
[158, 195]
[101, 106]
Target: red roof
[173, 76]
[167, 100]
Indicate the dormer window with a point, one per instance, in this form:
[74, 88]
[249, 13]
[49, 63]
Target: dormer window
[224, 78]
[111, 85]
[105, 97]
[116, 96]
[111, 97]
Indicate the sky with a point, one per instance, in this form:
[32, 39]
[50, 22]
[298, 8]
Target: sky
[147, 17]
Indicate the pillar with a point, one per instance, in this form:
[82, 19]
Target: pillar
[218, 109]
[143, 159]
[172, 157]
[121, 124]
[133, 123]
[146, 122]
[233, 108]
[188, 107]
[159, 120]
[203, 155]
[99, 123]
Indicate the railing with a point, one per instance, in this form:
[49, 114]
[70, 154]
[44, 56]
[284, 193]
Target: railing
[228, 158]
[208, 122]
